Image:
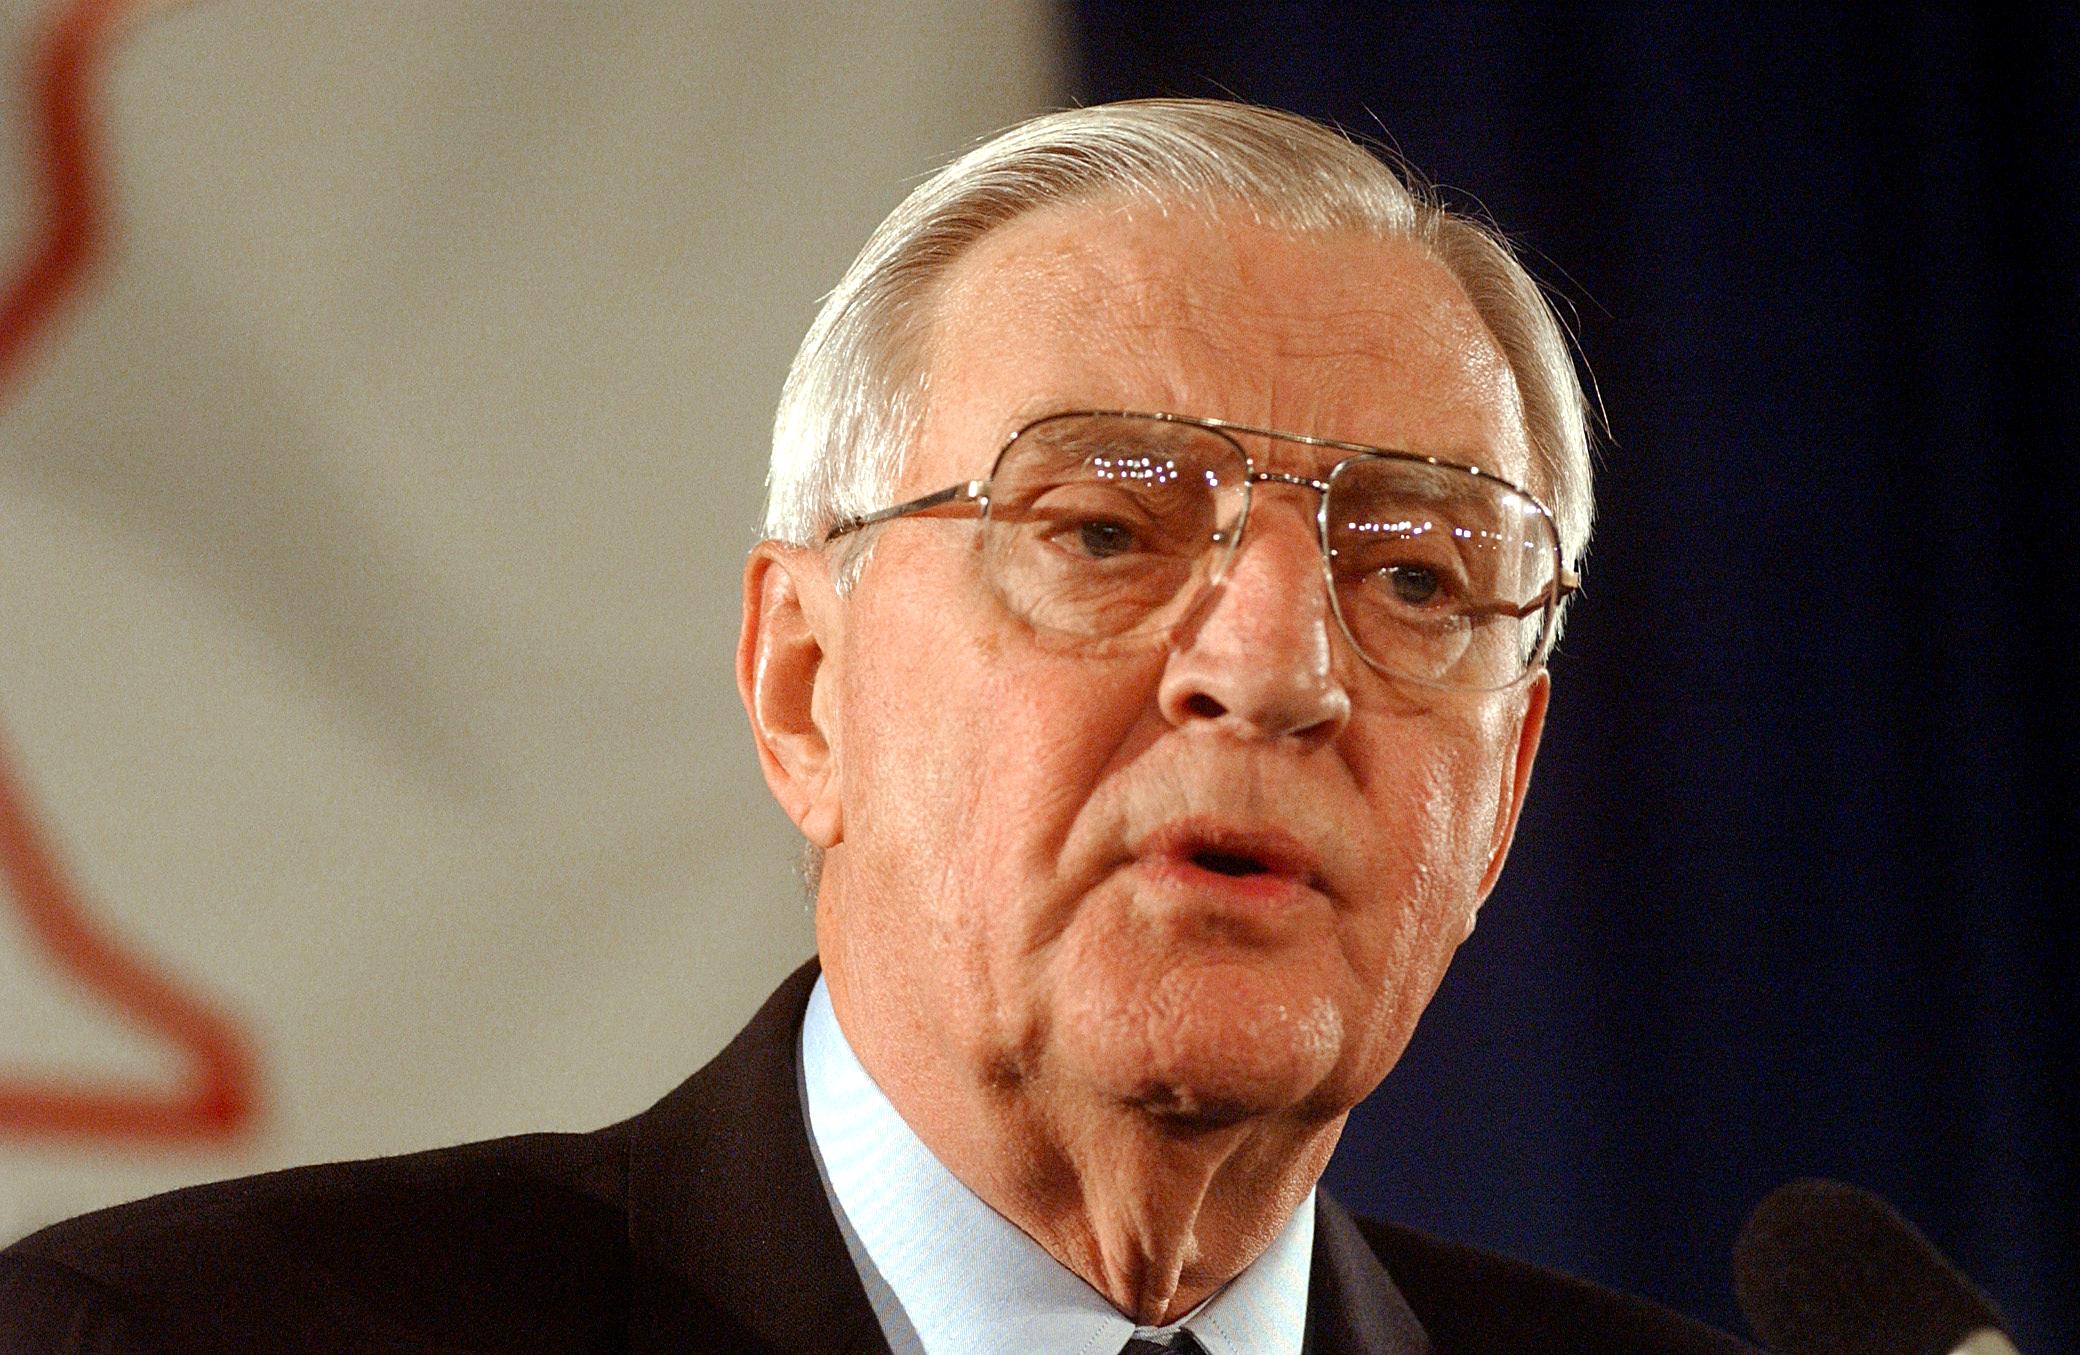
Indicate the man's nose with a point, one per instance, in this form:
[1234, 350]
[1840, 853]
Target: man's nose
[1256, 657]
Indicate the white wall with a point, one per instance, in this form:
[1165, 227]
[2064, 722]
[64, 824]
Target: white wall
[370, 523]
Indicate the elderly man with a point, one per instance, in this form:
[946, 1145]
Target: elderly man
[1171, 514]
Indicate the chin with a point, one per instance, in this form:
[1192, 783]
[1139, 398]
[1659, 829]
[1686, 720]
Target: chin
[1205, 1046]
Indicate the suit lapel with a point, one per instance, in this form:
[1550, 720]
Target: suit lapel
[732, 1238]
[1353, 1307]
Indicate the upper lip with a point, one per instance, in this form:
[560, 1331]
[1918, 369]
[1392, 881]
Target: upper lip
[1274, 850]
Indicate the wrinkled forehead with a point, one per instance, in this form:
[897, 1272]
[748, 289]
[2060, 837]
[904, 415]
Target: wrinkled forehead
[1130, 306]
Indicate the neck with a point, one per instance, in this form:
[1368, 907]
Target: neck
[1154, 1211]
[1155, 1215]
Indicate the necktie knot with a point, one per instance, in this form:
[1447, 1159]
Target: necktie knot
[1183, 1345]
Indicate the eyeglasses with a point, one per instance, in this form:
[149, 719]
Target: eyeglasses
[1109, 526]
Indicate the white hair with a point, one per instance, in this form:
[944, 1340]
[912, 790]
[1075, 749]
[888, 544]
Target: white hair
[855, 395]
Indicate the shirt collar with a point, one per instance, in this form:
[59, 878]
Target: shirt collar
[946, 1273]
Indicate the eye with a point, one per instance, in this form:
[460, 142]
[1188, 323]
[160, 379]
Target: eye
[1097, 524]
[1101, 540]
[1413, 584]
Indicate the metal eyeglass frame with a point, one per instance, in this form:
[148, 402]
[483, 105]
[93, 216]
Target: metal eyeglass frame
[976, 493]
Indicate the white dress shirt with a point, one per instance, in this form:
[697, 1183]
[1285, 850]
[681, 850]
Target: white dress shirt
[948, 1275]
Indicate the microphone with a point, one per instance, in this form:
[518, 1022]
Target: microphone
[1823, 1268]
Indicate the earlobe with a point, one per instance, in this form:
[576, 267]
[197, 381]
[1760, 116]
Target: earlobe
[782, 655]
[1516, 777]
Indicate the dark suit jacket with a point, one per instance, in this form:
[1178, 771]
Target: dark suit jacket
[699, 1225]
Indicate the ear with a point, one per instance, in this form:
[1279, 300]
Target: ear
[791, 616]
[1516, 775]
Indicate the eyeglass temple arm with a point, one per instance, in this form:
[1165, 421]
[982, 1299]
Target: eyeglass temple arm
[1568, 582]
[968, 491]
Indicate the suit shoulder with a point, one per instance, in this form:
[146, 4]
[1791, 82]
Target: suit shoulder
[48, 1307]
[530, 1227]
[1470, 1300]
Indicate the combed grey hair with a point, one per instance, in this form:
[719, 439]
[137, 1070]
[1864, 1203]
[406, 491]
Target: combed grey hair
[854, 398]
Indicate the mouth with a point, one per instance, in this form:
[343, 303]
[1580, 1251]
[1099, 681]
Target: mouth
[1217, 855]
[1232, 864]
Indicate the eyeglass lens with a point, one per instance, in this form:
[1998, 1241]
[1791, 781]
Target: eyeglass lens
[1106, 526]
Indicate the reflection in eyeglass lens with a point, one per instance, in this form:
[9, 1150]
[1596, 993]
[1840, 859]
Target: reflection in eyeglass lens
[1098, 523]
[1111, 525]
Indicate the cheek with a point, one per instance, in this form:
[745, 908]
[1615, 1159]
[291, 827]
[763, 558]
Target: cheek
[960, 797]
[1435, 780]
[1434, 800]
[1058, 729]
[1458, 811]
[973, 750]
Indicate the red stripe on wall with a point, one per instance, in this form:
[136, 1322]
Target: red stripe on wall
[217, 1096]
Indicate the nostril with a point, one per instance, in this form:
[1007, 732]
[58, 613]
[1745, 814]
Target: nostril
[1203, 707]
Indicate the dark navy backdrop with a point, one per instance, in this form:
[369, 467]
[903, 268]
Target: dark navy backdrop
[1789, 897]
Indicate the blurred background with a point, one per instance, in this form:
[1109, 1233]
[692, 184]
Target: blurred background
[383, 404]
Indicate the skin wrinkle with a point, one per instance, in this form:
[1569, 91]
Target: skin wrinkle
[1142, 1075]
[1438, 329]
[1207, 319]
